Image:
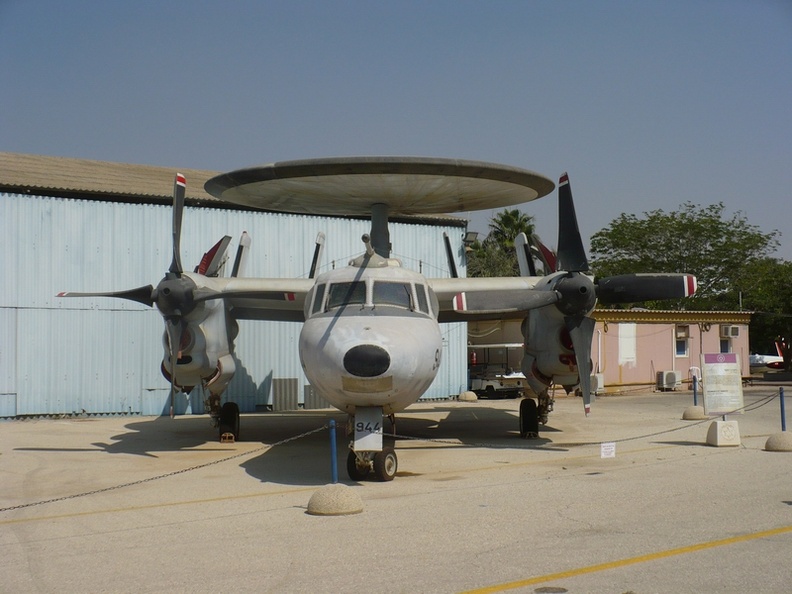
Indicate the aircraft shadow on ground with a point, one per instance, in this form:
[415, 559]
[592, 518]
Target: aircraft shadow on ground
[306, 459]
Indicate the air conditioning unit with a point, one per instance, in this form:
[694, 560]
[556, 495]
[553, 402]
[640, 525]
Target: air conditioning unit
[597, 383]
[668, 380]
[729, 331]
[682, 332]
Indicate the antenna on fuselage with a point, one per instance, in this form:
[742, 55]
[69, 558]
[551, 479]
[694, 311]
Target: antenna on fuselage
[366, 239]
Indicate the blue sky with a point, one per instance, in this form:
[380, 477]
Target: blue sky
[647, 104]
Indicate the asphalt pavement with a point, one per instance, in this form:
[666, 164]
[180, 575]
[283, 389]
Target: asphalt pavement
[630, 499]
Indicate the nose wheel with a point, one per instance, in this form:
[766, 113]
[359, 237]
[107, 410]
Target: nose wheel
[383, 464]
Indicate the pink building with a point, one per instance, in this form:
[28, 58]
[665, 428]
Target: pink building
[633, 347]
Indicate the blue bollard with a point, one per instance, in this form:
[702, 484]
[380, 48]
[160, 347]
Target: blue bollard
[695, 391]
[333, 453]
[783, 410]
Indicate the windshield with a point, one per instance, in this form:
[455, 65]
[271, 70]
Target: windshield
[350, 293]
[390, 293]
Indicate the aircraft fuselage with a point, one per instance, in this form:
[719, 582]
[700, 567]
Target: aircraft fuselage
[371, 337]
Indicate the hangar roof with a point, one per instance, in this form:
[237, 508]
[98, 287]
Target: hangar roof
[65, 177]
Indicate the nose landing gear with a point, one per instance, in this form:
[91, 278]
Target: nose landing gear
[383, 464]
[367, 453]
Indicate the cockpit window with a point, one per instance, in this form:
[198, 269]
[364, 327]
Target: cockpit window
[390, 293]
[423, 305]
[346, 294]
[318, 298]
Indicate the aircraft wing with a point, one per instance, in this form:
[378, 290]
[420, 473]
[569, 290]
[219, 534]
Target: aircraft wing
[278, 299]
[496, 298]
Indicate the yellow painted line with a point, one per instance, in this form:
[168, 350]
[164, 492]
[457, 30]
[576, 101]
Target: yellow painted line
[630, 561]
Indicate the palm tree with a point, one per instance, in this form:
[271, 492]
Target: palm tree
[495, 256]
[507, 225]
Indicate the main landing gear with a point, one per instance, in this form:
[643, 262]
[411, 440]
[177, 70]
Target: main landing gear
[532, 414]
[529, 419]
[226, 418]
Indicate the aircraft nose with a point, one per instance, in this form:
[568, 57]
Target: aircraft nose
[366, 360]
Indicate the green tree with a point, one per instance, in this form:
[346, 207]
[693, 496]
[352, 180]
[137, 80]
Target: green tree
[766, 290]
[702, 240]
[495, 255]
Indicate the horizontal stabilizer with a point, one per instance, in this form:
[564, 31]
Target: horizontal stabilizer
[634, 288]
[496, 302]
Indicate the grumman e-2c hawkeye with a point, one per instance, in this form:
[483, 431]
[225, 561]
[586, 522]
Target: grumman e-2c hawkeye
[370, 342]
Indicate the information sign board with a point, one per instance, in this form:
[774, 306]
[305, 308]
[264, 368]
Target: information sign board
[721, 384]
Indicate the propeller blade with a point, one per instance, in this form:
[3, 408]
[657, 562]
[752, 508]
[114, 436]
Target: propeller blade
[317, 256]
[450, 256]
[501, 302]
[179, 189]
[241, 255]
[581, 330]
[524, 256]
[632, 288]
[213, 260]
[174, 327]
[140, 295]
[571, 253]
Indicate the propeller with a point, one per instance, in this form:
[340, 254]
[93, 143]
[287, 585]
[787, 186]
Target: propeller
[179, 189]
[579, 293]
[174, 327]
[568, 287]
[174, 296]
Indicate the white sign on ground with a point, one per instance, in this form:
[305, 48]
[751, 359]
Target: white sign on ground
[721, 383]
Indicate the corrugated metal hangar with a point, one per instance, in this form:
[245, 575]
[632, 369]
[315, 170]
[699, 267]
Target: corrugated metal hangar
[77, 225]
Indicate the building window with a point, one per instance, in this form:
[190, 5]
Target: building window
[725, 345]
[682, 339]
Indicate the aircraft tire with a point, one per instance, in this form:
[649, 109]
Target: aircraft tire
[229, 420]
[355, 472]
[386, 464]
[529, 419]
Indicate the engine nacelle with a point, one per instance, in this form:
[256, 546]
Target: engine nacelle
[205, 351]
[549, 356]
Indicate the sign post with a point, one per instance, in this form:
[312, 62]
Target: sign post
[723, 395]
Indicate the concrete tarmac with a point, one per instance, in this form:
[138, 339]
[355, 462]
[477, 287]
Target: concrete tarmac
[144, 504]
